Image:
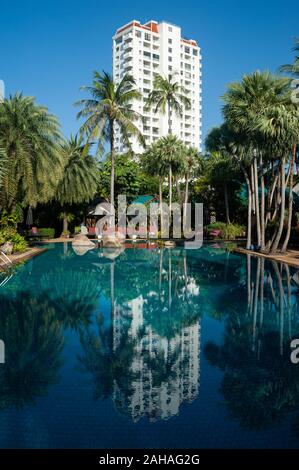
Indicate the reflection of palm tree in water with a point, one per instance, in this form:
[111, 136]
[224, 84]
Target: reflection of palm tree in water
[260, 384]
[34, 341]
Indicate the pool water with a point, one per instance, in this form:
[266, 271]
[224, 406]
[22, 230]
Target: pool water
[149, 348]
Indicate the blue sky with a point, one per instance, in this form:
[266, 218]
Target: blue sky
[49, 48]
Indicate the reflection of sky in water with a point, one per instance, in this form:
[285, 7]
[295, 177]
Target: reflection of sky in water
[149, 348]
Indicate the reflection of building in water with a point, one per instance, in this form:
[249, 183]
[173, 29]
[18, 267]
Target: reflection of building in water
[163, 373]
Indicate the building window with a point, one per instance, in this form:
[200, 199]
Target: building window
[170, 68]
[119, 40]
[170, 50]
[169, 59]
[170, 29]
[187, 50]
[169, 41]
[147, 37]
[156, 56]
[194, 51]
[147, 54]
[138, 34]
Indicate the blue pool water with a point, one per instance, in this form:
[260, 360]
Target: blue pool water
[149, 348]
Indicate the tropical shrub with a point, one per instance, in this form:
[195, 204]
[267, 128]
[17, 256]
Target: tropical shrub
[9, 234]
[227, 231]
[47, 232]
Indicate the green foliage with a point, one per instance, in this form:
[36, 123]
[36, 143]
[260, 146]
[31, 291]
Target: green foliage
[129, 179]
[30, 148]
[11, 218]
[168, 95]
[47, 232]
[109, 105]
[68, 216]
[80, 175]
[9, 234]
[77, 230]
[227, 231]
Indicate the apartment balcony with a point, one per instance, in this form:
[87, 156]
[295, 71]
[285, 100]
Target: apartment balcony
[127, 59]
[128, 49]
[128, 69]
[128, 40]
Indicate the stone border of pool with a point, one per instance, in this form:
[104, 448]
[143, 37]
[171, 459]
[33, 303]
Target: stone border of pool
[290, 257]
[30, 253]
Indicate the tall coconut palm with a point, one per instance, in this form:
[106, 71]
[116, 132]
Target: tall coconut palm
[30, 149]
[168, 95]
[110, 105]
[80, 177]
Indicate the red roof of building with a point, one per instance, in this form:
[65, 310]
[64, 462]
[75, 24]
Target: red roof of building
[153, 27]
[150, 26]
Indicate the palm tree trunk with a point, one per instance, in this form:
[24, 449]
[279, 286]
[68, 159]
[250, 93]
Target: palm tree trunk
[178, 190]
[65, 223]
[252, 188]
[226, 204]
[168, 117]
[249, 210]
[257, 206]
[161, 204]
[170, 187]
[287, 238]
[186, 197]
[112, 154]
[282, 207]
[262, 207]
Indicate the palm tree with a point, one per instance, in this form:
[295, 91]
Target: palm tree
[110, 105]
[231, 145]
[29, 151]
[80, 177]
[293, 68]
[171, 150]
[155, 166]
[192, 162]
[220, 168]
[168, 95]
[253, 108]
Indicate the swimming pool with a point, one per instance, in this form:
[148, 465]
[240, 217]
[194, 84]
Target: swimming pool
[149, 348]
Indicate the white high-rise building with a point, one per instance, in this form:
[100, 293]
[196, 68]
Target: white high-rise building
[148, 49]
[144, 395]
[1, 90]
